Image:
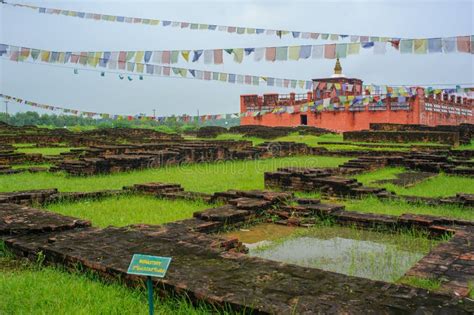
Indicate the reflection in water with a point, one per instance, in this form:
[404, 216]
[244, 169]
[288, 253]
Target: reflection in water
[373, 255]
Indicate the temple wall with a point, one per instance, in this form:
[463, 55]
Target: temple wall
[335, 120]
[360, 120]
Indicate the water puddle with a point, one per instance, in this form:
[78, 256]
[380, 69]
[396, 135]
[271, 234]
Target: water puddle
[346, 250]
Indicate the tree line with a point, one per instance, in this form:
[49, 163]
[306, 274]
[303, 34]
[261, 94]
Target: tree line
[67, 121]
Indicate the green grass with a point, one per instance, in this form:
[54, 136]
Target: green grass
[235, 136]
[469, 146]
[28, 289]
[441, 185]
[312, 141]
[22, 145]
[45, 151]
[368, 178]
[205, 177]
[392, 207]
[31, 165]
[428, 284]
[129, 209]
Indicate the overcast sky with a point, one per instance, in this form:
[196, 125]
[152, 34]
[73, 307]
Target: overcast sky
[89, 91]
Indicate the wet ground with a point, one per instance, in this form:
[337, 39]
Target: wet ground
[346, 250]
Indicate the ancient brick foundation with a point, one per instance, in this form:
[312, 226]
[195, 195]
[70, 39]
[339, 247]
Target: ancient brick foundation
[451, 138]
[215, 270]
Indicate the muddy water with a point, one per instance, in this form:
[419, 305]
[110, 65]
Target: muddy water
[373, 255]
[261, 233]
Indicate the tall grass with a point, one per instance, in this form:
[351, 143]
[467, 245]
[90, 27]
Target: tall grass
[29, 289]
[392, 207]
[205, 177]
[129, 209]
[441, 185]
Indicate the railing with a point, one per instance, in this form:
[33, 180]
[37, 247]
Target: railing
[448, 109]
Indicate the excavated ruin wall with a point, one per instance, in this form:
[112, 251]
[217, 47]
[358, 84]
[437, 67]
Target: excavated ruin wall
[451, 138]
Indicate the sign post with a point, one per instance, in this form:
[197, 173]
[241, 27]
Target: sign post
[149, 266]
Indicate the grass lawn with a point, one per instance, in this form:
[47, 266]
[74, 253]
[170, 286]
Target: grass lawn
[129, 209]
[374, 205]
[29, 289]
[469, 146]
[21, 145]
[205, 177]
[45, 151]
[31, 165]
[395, 207]
[441, 185]
[312, 141]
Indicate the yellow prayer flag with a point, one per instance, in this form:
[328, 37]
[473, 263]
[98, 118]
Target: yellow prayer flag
[238, 54]
[45, 55]
[140, 67]
[139, 56]
[95, 59]
[353, 48]
[183, 72]
[420, 45]
[250, 30]
[185, 54]
[301, 83]
[154, 22]
[294, 52]
[62, 57]
[222, 76]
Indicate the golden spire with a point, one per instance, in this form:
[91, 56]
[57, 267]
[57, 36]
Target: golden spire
[338, 68]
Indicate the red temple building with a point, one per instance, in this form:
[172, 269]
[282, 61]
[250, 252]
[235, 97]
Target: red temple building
[437, 109]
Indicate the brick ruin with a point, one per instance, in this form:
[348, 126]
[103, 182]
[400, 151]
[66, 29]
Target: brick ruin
[397, 133]
[120, 149]
[32, 134]
[209, 268]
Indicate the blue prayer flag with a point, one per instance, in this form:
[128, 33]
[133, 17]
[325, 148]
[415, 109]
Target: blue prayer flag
[367, 44]
[197, 54]
[434, 45]
[147, 56]
[248, 51]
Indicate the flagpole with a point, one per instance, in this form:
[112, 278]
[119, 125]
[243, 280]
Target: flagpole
[6, 111]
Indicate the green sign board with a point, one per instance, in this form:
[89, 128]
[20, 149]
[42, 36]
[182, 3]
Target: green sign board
[146, 265]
